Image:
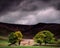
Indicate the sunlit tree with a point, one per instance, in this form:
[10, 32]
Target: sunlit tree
[44, 36]
[15, 37]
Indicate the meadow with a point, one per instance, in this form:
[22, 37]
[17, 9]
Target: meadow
[4, 44]
[28, 47]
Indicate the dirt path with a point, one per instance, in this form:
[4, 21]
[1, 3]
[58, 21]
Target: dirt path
[27, 42]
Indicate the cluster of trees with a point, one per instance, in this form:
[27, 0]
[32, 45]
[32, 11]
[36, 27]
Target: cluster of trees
[44, 36]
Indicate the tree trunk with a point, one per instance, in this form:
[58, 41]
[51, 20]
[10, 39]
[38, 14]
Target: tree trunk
[40, 43]
[19, 42]
[45, 43]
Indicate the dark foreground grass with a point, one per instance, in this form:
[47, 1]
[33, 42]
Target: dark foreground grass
[28, 47]
[4, 44]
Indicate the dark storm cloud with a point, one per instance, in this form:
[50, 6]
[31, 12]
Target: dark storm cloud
[57, 6]
[8, 4]
[30, 11]
[31, 5]
[27, 5]
[46, 0]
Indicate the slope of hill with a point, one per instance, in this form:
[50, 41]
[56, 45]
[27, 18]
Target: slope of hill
[29, 30]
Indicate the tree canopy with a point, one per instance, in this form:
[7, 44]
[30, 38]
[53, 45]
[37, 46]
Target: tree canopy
[15, 37]
[44, 36]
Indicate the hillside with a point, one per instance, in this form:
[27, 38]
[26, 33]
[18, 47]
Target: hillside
[29, 30]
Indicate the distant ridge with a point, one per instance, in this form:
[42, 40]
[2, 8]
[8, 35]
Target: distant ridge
[29, 30]
[28, 25]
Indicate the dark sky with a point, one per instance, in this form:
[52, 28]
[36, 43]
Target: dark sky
[30, 12]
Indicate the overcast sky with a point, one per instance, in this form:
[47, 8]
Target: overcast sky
[30, 12]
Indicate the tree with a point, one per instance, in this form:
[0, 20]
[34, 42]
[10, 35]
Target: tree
[12, 38]
[19, 36]
[48, 36]
[15, 37]
[39, 38]
[40, 41]
[44, 36]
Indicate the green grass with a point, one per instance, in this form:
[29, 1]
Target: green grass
[3, 41]
[29, 47]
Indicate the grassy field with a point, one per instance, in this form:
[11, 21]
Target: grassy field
[4, 44]
[3, 41]
[28, 47]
